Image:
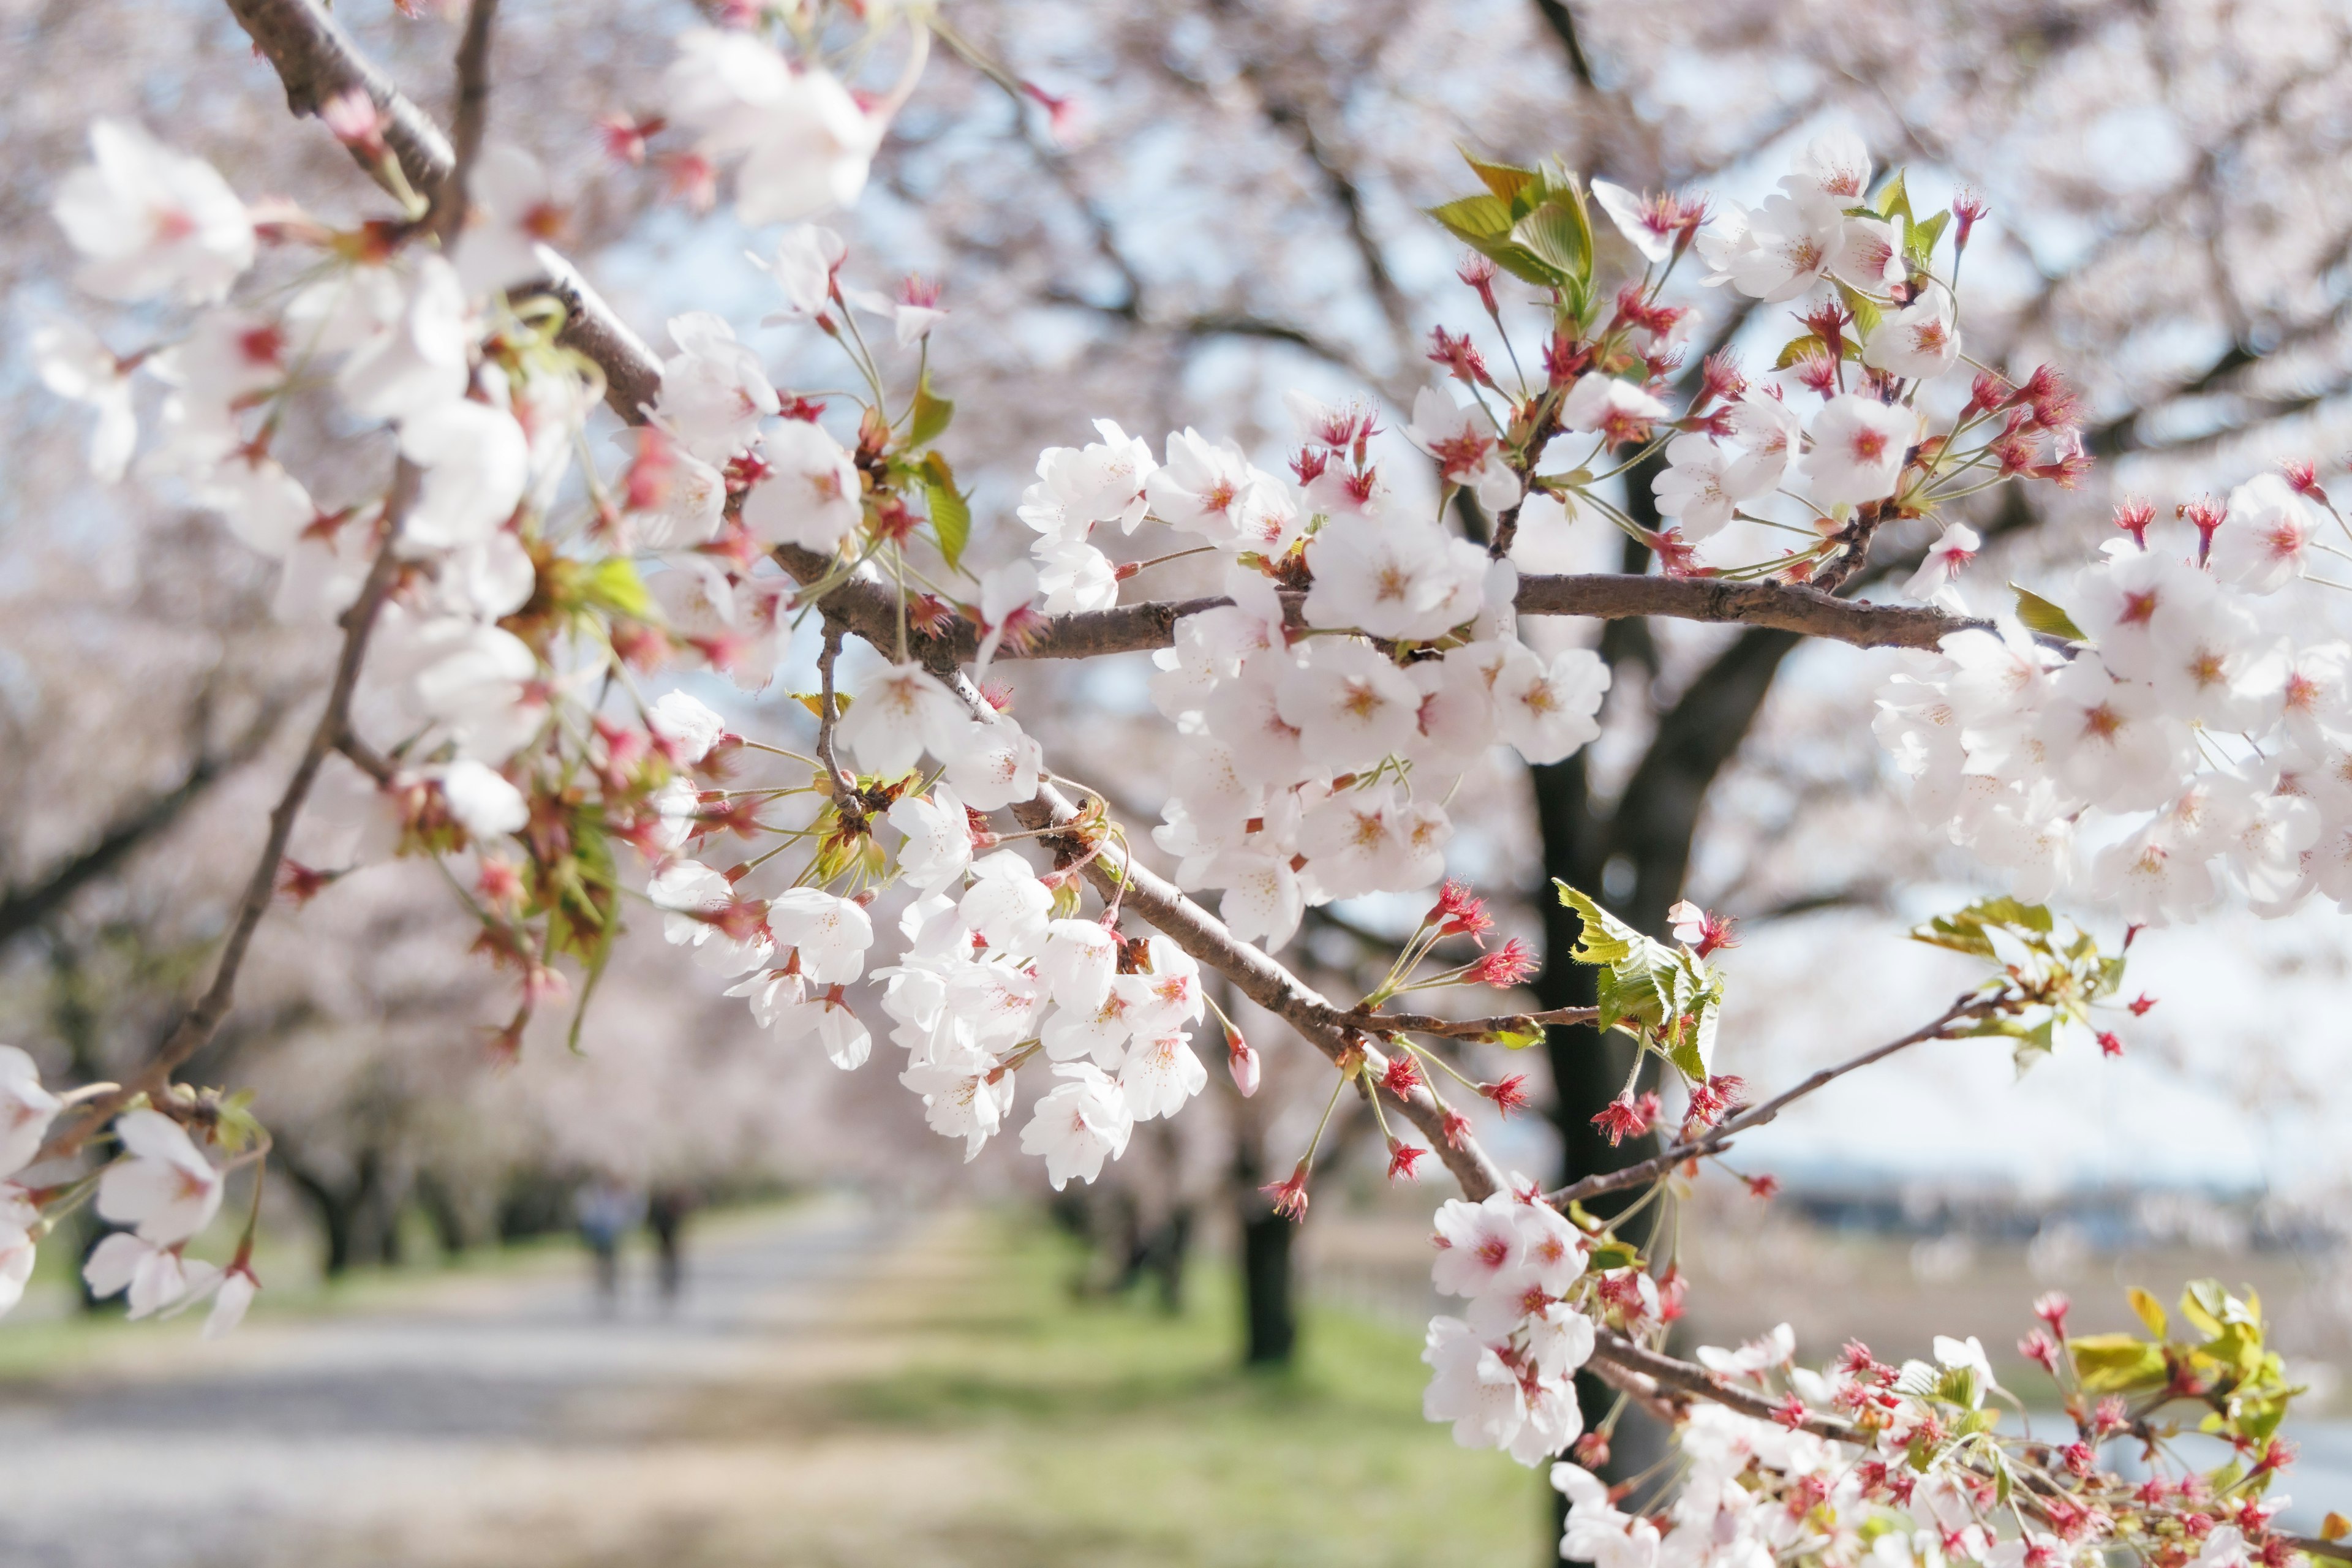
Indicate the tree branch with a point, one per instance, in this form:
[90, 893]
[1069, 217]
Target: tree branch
[204, 1020]
[1718, 1138]
[316, 60]
[22, 909]
[1468, 1028]
[452, 202]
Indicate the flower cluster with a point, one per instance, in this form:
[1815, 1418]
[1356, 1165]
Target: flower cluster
[1880, 322]
[2182, 727]
[1504, 1372]
[1904, 1467]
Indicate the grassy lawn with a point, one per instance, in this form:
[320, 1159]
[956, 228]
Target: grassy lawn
[1131, 1438]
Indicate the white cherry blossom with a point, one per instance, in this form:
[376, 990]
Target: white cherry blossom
[163, 1186]
[152, 221]
[1084, 1121]
[813, 496]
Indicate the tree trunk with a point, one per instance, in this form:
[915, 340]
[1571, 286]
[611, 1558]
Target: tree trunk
[1271, 1321]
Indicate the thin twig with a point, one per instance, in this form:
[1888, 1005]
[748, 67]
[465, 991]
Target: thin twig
[453, 201]
[196, 1029]
[1469, 1028]
[1718, 1138]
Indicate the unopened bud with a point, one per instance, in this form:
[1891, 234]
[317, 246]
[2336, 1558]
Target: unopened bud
[1241, 1060]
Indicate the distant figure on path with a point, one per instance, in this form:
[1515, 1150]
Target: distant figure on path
[666, 1214]
[606, 1210]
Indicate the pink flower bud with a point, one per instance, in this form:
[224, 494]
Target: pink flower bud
[1243, 1060]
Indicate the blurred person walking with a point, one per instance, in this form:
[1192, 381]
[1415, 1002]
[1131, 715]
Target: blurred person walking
[665, 1215]
[607, 1211]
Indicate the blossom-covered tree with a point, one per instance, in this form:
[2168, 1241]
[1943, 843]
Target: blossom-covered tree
[523, 523]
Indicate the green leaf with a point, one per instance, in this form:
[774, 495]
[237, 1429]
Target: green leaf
[814, 702]
[1508, 181]
[1655, 986]
[1866, 315]
[2150, 1311]
[1559, 235]
[1517, 1035]
[2040, 615]
[1919, 239]
[1966, 931]
[930, 417]
[951, 513]
[2118, 1363]
[1475, 220]
[1893, 200]
[615, 583]
[1610, 1254]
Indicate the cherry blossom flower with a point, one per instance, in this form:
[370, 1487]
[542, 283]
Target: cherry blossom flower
[152, 1275]
[813, 496]
[1698, 489]
[164, 1187]
[714, 393]
[1350, 706]
[409, 336]
[1006, 903]
[1208, 488]
[1470, 1386]
[1077, 963]
[1372, 840]
[1463, 441]
[896, 711]
[265, 507]
[1478, 1243]
[993, 764]
[75, 365]
[1398, 579]
[1918, 341]
[1632, 214]
[1772, 252]
[2266, 539]
[1083, 1120]
[938, 847]
[26, 1111]
[962, 1097]
[1611, 404]
[510, 215]
[1263, 897]
[152, 221]
[686, 725]
[1161, 1073]
[1547, 710]
[19, 1221]
[483, 803]
[831, 934]
[1859, 447]
[476, 460]
[912, 315]
[1946, 559]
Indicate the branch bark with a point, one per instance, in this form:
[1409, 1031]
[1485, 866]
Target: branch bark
[1718, 1138]
[317, 60]
[194, 1030]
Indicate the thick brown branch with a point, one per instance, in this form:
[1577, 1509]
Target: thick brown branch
[316, 60]
[868, 609]
[194, 1030]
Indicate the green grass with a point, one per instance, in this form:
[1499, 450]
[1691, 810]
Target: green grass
[1137, 1440]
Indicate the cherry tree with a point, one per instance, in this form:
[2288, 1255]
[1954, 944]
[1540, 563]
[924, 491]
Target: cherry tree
[537, 538]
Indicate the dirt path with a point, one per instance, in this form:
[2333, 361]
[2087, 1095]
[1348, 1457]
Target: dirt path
[501, 1421]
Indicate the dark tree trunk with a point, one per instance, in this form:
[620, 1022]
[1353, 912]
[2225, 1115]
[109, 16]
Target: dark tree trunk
[1269, 1315]
[1271, 1321]
[1631, 857]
